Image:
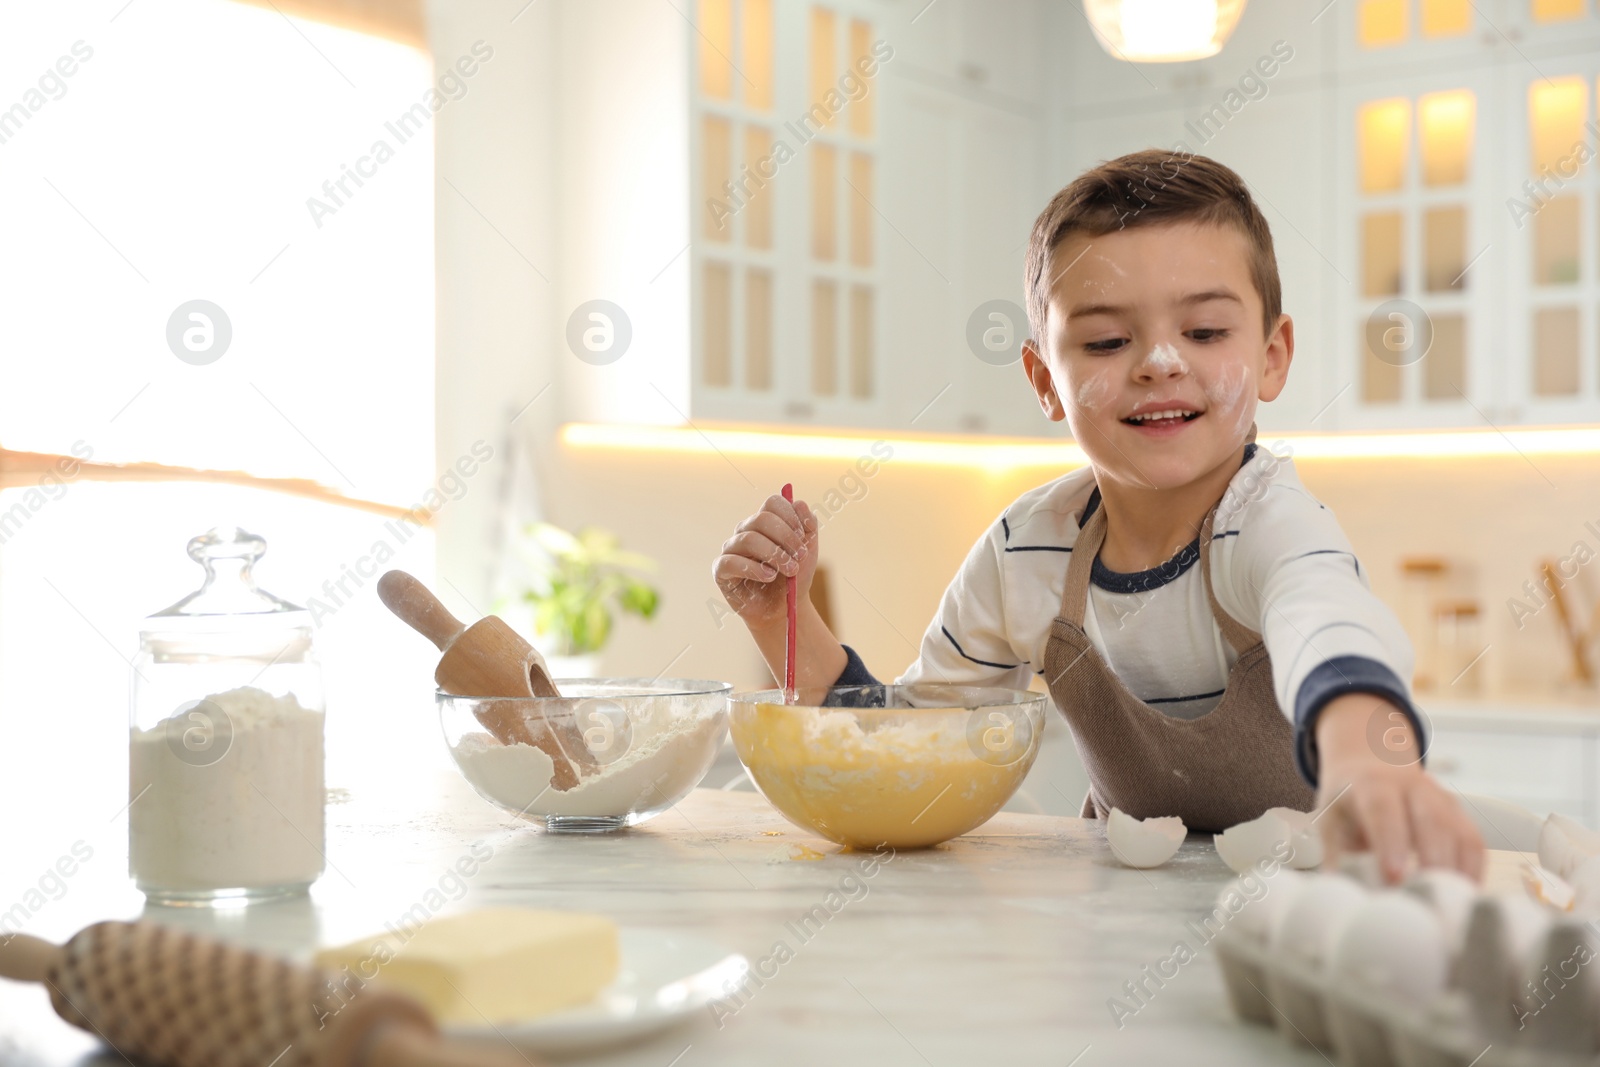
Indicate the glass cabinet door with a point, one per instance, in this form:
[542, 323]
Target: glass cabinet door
[1552, 211]
[787, 306]
[1417, 233]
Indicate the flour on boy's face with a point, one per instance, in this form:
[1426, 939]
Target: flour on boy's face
[1156, 350]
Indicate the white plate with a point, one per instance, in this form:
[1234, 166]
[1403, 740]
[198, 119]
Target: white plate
[665, 976]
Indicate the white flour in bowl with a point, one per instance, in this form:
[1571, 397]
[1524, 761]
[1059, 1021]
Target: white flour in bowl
[245, 814]
[669, 754]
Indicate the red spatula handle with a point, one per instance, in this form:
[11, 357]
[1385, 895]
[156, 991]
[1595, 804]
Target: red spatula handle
[789, 636]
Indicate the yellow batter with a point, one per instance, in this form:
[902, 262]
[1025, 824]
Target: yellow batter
[903, 777]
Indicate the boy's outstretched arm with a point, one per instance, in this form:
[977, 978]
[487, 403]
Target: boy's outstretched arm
[776, 543]
[1374, 794]
[1340, 660]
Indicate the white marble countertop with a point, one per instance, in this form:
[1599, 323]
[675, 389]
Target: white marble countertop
[1003, 946]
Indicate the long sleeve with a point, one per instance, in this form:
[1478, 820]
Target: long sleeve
[968, 641]
[1289, 572]
[855, 671]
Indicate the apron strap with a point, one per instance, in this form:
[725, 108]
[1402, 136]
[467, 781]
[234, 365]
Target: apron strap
[1240, 636]
[1075, 594]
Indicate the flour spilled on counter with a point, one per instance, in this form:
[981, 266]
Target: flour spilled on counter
[249, 817]
[669, 754]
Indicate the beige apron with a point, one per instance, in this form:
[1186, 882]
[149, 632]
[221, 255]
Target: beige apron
[1223, 768]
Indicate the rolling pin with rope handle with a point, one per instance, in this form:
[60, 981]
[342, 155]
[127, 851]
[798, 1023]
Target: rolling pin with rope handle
[181, 1000]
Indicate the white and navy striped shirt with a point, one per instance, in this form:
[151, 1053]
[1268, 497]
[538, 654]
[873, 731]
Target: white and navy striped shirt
[1280, 565]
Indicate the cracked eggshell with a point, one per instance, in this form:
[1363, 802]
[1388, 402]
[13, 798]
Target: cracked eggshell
[1565, 844]
[1304, 838]
[1243, 846]
[1144, 842]
[1394, 943]
[1306, 927]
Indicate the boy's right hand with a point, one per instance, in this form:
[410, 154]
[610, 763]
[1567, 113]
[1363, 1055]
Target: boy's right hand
[779, 541]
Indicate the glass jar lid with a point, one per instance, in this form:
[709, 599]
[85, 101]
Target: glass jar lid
[228, 614]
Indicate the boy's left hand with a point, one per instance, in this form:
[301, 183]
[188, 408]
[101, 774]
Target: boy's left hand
[1375, 796]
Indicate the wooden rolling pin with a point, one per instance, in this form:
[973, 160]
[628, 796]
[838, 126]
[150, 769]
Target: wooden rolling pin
[181, 1000]
[489, 659]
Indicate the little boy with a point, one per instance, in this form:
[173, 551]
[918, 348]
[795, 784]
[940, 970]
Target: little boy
[1198, 617]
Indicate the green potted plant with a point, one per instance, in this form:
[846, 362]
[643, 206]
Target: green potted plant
[581, 581]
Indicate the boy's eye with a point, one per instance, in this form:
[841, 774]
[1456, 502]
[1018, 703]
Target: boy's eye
[1104, 347]
[1207, 336]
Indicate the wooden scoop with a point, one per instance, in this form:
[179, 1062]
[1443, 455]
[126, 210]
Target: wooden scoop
[489, 659]
[177, 999]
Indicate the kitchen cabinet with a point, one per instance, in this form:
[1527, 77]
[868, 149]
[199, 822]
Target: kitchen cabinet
[1277, 142]
[1423, 296]
[1390, 144]
[1417, 231]
[1548, 204]
[965, 175]
[1522, 91]
[840, 291]
[1545, 758]
[987, 50]
[788, 212]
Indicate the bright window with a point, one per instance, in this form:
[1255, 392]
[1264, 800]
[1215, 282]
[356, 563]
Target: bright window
[182, 150]
[179, 163]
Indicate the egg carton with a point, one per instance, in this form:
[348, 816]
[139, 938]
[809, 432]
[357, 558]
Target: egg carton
[1490, 1015]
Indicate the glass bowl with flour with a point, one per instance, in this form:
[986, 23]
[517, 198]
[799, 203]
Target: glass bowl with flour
[648, 741]
[906, 766]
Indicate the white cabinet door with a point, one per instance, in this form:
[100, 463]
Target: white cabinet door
[1547, 240]
[1278, 144]
[1275, 144]
[1507, 348]
[954, 182]
[921, 142]
[982, 48]
[965, 186]
[1003, 190]
[1000, 48]
[1543, 772]
[1414, 322]
[1401, 38]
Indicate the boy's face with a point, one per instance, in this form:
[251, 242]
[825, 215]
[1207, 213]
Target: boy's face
[1157, 319]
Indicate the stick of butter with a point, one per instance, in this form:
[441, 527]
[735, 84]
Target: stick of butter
[498, 965]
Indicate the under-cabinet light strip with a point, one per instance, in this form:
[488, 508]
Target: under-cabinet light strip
[1008, 453]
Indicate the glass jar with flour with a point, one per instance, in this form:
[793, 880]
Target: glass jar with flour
[225, 759]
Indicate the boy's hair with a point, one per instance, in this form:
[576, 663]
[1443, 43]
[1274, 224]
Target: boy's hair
[1149, 188]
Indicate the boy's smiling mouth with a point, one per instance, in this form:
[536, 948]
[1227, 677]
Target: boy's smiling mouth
[1162, 417]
